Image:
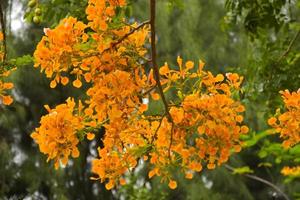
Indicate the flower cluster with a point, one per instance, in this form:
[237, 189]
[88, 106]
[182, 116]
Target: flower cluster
[115, 95]
[4, 97]
[100, 13]
[288, 123]
[57, 135]
[56, 51]
[68, 49]
[205, 129]
[207, 123]
[109, 59]
[201, 126]
[291, 171]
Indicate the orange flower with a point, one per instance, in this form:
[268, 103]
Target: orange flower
[164, 70]
[155, 96]
[177, 114]
[172, 184]
[288, 123]
[109, 185]
[122, 181]
[77, 83]
[6, 99]
[100, 12]
[64, 80]
[272, 121]
[189, 65]
[56, 135]
[189, 175]
[55, 51]
[90, 136]
[291, 171]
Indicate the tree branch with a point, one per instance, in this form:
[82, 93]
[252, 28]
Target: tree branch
[153, 55]
[253, 177]
[3, 31]
[148, 91]
[286, 52]
[156, 70]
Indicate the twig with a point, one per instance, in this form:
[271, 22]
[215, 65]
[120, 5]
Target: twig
[286, 52]
[253, 177]
[115, 44]
[159, 125]
[171, 140]
[3, 31]
[149, 90]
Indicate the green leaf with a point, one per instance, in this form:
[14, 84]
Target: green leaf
[265, 164]
[255, 138]
[22, 61]
[295, 150]
[262, 154]
[242, 170]
[278, 160]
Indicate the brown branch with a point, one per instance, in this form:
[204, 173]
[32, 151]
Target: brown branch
[146, 60]
[153, 55]
[286, 52]
[149, 90]
[159, 125]
[156, 70]
[3, 31]
[253, 177]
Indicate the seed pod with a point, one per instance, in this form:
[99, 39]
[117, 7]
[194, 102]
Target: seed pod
[37, 11]
[36, 19]
[31, 3]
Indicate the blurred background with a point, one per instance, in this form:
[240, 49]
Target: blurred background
[249, 37]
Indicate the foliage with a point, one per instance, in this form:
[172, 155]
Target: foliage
[258, 14]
